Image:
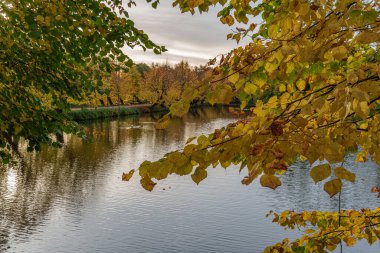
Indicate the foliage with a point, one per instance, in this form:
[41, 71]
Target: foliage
[123, 87]
[52, 52]
[322, 57]
[330, 228]
[163, 84]
[159, 85]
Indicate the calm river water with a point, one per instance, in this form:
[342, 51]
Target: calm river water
[73, 200]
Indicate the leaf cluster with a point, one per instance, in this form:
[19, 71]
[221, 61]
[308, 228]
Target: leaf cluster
[52, 52]
[322, 60]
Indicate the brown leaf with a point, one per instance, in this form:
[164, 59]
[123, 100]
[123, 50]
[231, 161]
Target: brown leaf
[127, 176]
[320, 172]
[270, 181]
[147, 183]
[342, 173]
[278, 154]
[333, 187]
[217, 134]
[278, 166]
[277, 128]
[257, 149]
[247, 180]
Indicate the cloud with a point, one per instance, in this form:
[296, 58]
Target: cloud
[194, 38]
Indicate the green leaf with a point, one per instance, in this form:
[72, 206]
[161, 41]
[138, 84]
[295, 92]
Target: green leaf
[199, 175]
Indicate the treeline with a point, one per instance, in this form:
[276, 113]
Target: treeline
[157, 84]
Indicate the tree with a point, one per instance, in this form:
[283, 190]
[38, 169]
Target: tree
[132, 84]
[142, 68]
[184, 75]
[158, 85]
[323, 59]
[52, 52]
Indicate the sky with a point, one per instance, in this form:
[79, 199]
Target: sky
[196, 38]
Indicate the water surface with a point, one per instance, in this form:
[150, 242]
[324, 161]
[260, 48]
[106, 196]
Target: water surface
[73, 200]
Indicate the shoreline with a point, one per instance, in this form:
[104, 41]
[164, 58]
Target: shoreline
[93, 113]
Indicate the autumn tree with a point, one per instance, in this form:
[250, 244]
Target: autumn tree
[132, 83]
[157, 84]
[113, 85]
[184, 75]
[323, 59]
[57, 49]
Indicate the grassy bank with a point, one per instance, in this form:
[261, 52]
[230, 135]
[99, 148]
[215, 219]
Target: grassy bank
[102, 113]
[112, 112]
[88, 114]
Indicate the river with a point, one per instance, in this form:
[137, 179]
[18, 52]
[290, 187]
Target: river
[73, 200]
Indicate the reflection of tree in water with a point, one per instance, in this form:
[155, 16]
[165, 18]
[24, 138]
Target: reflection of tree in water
[298, 191]
[64, 178]
[49, 178]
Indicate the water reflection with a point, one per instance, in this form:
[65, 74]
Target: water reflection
[72, 199]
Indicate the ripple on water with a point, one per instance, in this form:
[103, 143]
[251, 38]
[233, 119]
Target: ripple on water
[72, 199]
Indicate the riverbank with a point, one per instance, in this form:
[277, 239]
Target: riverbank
[92, 113]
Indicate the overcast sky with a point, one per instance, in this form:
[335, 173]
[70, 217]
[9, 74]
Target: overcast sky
[195, 38]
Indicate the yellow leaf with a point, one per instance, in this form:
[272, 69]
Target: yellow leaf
[233, 78]
[199, 175]
[258, 110]
[350, 241]
[352, 77]
[282, 88]
[243, 104]
[290, 88]
[272, 102]
[364, 125]
[331, 247]
[361, 157]
[270, 181]
[364, 108]
[303, 9]
[333, 187]
[342, 173]
[223, 94]
[284, 100]
[273, 31]
[377, 233]
[270, 67]
[190, 139]
[250, 88]
[320, 172]
[301, 84]
[289, 67]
